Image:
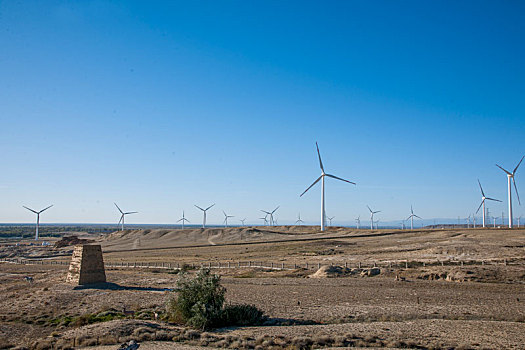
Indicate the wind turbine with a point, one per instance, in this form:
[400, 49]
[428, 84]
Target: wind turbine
[330, 219]
[242, 221]
[226, 216]
[411, 217]
[519, 219]
[271, 214]
[511, 176]
[122, 215]
[204, 211]
[37, 218]
[483, 199]
[372, 217]
[183, 219]
[323, 175]
[358, 221]
[299, 219]
[265, 221]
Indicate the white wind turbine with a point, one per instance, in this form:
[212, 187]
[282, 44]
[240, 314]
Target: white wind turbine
[483, 199]
[265, 221]
[372, 217]
[183, 219]
[204, 214]
[358, 221]
[411, 217]
[226, 216]
[122, 214]
[330, 219]
[242, 221]
[37, 218]
[323, 175]
[299, 221]
[509, 177]
[271, 214]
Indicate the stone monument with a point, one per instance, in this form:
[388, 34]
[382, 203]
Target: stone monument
[87, 265]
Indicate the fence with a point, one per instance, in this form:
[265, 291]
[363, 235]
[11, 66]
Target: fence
[281, 265]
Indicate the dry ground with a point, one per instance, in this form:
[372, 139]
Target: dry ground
[486, 310]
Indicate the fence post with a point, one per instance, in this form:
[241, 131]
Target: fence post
[359, 264]
[307, 265]
[282, 266]
[406, 264]
[228, 264]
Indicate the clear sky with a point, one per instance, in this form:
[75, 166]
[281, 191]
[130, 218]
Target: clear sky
[162, 105]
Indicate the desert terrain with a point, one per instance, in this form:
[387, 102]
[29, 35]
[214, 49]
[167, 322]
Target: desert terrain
[426, 289]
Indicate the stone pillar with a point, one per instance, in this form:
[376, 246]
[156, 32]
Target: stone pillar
[87, 265]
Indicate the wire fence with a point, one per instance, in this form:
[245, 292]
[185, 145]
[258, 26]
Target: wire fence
[406, 264]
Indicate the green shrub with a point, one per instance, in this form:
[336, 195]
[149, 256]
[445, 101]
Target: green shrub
[199, 301]
[200, 304]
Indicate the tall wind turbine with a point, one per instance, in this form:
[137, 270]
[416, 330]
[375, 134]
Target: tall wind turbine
[411, 217]
[271, 214]
[226, 216]
[511, 176]
[323, 175]
[483, 199]
[299, 221]
[204, 212]
[330, 219]
[122, 214]
[37, 218]
[372, 217]
[358, 221]
[183, 219]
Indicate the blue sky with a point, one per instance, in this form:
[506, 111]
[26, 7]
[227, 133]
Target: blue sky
[162, 105]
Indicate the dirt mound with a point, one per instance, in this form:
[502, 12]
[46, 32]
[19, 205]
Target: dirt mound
[71, 240]
[339, 271]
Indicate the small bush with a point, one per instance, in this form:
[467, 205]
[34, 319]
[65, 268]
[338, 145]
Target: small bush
[200, 304]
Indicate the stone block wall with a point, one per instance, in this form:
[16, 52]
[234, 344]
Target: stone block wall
[87, 265]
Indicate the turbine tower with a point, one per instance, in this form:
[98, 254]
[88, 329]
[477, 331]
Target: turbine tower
[323, 175]
[122, 214]
[411, 217]
[271, 214]
[358, 221]
[183, 219]
[204, 212]
[372, 217]
[299, 219]
[509, 177]
[37, 218]
[483, 199]
[226, 216]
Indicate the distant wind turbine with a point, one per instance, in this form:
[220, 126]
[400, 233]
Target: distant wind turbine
[358, 221]
[323, 175]
[226, 216]
[37, 218]
[122, 215]
[265, 221]
[411, 217]
[299, 221]
[483, 199]
[204, 214]
[509, 177]
[372, 217]
[271, 214]
[330, 219]
[242, 221]
[183, 219]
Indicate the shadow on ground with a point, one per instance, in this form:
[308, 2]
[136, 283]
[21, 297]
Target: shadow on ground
[115, 286]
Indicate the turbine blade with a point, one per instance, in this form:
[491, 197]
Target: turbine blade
[179, 220]
[503, 170]
[130, 212]
[408, 217]
[418, 217]
[480, 205]
[118, 208]
[316, 181]
[30, 209]
[481, 188]
[492, 199]
[516, 188]
[224, 213]
[369, 208]
[275, 209]
[210, 206]
[45, 209]
[375, 212]
[411, 210]
[121, 217]
[338, 178]
[517, 166]
[319, 154]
